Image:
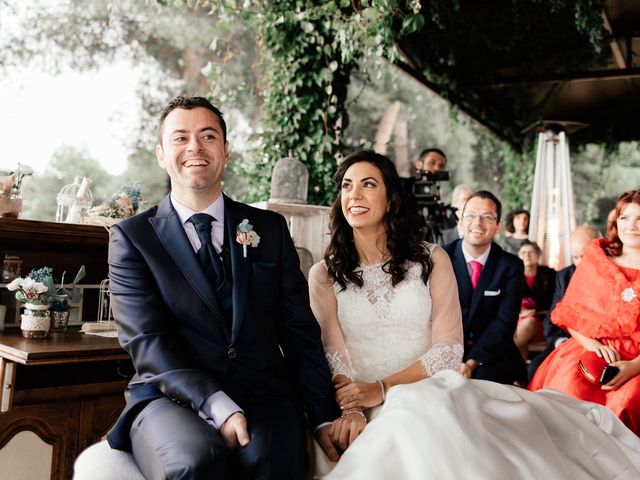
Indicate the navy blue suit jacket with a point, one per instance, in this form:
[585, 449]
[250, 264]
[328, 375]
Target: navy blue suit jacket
[490, 313]
[171, 322]
[551, 331]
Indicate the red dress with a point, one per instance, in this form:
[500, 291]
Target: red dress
[602, 301]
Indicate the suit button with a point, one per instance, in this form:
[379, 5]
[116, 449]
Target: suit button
[231, 353]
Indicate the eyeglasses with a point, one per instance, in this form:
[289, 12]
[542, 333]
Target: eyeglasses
[484, 218]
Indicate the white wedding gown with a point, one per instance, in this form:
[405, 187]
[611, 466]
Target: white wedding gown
[447, 427]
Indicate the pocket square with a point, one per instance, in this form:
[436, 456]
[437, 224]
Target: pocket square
[491, 293]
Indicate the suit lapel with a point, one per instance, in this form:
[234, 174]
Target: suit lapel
[240, 266]
[462, 274]
[171, 233]
[486, 275]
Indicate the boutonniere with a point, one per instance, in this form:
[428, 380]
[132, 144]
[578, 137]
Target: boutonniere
[245, 235]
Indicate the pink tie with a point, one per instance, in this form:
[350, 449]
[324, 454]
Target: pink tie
[476, 268]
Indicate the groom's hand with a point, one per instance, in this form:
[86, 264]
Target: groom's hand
[323, 437]
[467, 368]
[347, 428]
[234, 431]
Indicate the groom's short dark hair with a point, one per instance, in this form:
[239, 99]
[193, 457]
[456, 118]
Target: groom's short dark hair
[189, 103]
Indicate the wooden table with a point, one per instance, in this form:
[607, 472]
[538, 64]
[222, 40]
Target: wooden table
[67, 389]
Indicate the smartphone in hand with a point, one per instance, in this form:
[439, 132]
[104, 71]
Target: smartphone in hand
[608, 373]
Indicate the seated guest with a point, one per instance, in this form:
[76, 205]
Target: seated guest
[601, 311]
[553, 334]
[517, 225]
[539, 283]
[459, 197]
[490, 291]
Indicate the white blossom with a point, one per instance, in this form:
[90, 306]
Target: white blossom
[15, 285]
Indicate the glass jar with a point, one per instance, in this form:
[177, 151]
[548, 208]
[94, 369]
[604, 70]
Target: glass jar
[10, 204]
[11, 268]
[59, 320]
[35, 321]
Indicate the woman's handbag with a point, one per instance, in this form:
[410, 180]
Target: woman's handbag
[596, 369]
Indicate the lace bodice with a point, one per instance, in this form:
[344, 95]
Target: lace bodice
[374, 331]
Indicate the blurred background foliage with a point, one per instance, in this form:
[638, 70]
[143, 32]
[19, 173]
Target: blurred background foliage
[285, 82]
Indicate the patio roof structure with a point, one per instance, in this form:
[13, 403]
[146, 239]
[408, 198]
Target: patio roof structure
[517, 67]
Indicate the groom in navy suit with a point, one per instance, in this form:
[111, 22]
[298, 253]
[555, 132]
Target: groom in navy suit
[212, 306]
[490, 283]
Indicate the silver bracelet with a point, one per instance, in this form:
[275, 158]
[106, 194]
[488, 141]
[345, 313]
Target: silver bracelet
[384, 397]
[344, 414]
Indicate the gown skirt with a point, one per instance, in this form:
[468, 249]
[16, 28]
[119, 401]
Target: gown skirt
[448, 427]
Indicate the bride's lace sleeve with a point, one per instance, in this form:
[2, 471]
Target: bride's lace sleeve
[325, 309]
[446, 318]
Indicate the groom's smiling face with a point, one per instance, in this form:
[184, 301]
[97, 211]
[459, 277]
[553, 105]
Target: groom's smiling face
[193, 151]
[363, 196]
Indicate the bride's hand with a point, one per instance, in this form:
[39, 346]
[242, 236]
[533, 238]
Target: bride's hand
[358, 395]
[347, 428]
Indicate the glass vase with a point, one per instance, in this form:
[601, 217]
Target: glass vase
[35, 322]
[59, 320]
[10, 204]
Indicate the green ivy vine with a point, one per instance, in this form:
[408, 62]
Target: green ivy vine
[311, 49]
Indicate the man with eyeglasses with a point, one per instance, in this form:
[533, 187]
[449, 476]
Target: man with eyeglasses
[490, 292]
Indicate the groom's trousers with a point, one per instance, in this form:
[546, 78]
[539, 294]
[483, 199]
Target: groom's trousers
[173, 442]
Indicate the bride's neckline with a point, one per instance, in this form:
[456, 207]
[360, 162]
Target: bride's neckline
[372, 265]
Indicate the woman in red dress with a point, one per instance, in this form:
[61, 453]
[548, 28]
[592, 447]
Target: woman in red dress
[601, 310]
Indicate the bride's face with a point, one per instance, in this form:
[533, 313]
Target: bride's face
[629, 225]
[363, 196]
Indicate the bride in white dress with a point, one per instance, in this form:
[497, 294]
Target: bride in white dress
[391, 326]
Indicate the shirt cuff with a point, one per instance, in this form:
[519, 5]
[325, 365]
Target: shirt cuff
[559, 340]
[217, 408]
[320, 426]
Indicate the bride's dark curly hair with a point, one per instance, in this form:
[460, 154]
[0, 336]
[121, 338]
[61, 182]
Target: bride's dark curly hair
[402, 228]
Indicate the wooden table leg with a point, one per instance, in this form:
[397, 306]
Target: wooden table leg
[8, 379]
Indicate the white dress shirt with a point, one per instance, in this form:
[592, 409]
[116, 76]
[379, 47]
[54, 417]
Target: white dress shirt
[217, 407]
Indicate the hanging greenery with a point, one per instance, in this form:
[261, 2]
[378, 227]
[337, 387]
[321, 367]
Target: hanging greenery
[312, 47]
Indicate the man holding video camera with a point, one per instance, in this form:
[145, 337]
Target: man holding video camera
[424, 194]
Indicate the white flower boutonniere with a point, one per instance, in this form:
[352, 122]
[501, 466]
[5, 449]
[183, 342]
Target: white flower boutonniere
[628, 294]
[245, 235]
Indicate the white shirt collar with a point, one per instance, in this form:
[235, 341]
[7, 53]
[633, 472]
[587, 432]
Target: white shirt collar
[216, 209]
[482, 258]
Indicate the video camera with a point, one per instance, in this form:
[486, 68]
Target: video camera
[424, 193]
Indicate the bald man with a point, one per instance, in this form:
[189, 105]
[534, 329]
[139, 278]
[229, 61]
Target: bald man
[553, 334]
[459, 197]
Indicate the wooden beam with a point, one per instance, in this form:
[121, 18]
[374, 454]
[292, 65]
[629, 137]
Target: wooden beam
[615, 48]
[417, 74]
[593, 76]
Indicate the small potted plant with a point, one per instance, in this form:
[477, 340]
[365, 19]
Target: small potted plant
[60, 299]
[10, 196]
[32, 292]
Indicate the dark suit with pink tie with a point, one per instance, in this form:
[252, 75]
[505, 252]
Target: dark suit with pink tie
[490, 313]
